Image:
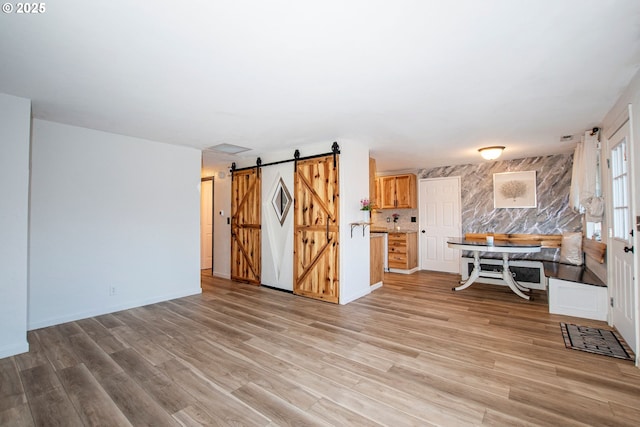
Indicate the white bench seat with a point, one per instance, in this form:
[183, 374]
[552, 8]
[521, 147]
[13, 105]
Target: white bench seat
[576, 291]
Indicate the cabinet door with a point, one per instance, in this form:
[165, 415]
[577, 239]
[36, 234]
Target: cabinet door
[377, 195]
[372, 181]
[376, 255]
[388, 190]
[412, 250]
[406, 191]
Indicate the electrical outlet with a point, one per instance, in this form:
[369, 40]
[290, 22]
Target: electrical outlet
[413, 219]
[112, 291]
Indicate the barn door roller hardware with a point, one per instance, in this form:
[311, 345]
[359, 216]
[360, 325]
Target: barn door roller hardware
[335, 150]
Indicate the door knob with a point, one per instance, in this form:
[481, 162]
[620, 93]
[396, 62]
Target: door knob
[627, 249]
[423, 231]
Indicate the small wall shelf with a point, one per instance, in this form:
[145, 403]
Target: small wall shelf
[362, 224]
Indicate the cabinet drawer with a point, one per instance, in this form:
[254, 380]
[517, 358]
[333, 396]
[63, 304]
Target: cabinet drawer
[398, 237]
[397, 242]
[399, 249]
[402, 250]
[398, 257]
[398, 264]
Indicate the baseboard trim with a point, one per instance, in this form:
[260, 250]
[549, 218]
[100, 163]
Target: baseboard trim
[111, 309]
[13, 349]
[222, 275]
[354, 297]
[397, 270]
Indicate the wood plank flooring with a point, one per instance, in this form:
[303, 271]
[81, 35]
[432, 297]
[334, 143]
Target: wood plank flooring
[411, 353]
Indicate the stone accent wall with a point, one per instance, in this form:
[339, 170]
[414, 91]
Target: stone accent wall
[551, 216]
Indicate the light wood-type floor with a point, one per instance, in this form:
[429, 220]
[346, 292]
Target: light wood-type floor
[411, 353]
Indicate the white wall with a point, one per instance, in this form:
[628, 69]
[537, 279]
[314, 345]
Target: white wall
[354, 250]
[15, 123]
[109, 212]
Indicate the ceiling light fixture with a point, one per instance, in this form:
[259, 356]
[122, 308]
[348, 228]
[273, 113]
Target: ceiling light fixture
[491, 153]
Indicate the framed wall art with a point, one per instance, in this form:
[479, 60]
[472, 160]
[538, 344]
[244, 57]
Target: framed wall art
[514, 190]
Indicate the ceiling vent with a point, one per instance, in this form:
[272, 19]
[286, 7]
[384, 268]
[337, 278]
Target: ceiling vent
[228, 149]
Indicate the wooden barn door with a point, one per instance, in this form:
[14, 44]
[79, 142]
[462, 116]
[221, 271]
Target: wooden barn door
[245, 226]
[316, 229]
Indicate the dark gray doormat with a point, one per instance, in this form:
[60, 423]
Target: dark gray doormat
[594, 340]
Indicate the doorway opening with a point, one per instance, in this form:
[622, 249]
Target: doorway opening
[206, 225]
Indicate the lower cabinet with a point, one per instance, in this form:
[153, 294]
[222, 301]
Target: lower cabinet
[403, 250]
[376, 268]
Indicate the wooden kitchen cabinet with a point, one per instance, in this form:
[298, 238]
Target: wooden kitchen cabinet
[373, 191]
[376, 253]
[403, 250]
[398, 192]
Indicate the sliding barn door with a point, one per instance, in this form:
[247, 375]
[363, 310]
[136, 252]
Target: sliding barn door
[245, 226]
[316, 229]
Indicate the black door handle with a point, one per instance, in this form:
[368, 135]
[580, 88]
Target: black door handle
[627, 249]
[328, 240]
[423, 231]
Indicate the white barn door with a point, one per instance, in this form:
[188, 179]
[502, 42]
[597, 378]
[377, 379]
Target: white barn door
[440, 219]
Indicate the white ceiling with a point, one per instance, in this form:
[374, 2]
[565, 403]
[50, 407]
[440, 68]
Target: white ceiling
[424, 83]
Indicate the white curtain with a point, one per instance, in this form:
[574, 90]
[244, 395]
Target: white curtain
[576, 178]
[585, 196]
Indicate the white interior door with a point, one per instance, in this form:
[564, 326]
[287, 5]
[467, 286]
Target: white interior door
[277, 226]
[621, 258]
[440, 219]
[206, 224]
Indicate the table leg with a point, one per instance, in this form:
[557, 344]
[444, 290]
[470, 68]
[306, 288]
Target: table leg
[475, 273]
[508, 278]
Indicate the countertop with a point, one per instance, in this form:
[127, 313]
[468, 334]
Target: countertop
[378, 230]
[388, 231]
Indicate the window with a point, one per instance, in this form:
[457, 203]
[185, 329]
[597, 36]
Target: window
[620, 185]
[281, 201]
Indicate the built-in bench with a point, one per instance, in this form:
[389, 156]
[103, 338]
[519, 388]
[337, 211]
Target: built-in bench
[544, 240]
[573, 290]
[528, 272]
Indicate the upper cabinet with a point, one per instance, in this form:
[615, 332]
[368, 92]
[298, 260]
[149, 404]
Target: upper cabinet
[398, 192]
[373, 192]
